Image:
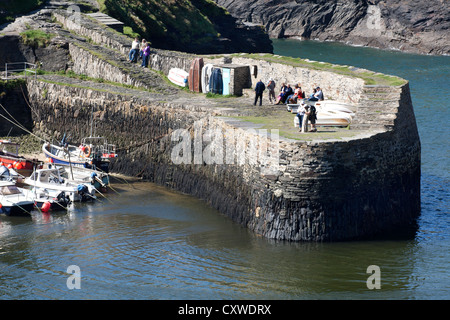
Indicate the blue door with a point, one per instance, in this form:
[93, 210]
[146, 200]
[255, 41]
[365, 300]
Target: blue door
[216, 81]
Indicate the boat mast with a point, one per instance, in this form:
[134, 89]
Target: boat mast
[92, 120]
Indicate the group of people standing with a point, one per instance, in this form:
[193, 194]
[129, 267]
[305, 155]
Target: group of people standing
[287, 95]
[141, 50]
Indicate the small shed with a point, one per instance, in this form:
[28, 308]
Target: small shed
[236, 77]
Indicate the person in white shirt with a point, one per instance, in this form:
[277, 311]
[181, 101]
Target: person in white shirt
[300, 114]
[132, 57]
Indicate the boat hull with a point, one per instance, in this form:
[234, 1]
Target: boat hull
[60, 202]
[178, 76]
[51, 150]
[72, 192]
[328, 121]
[20, 165]
[195, 74]
[206, 74]
[17, 210]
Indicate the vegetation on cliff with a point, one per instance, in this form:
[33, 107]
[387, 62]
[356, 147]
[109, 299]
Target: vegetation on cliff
[36, 38]
[169, 23]
[199, 26]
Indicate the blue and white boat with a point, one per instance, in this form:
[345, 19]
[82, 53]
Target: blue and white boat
[92, 153]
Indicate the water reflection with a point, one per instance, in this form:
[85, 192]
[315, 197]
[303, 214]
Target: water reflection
[155, 244]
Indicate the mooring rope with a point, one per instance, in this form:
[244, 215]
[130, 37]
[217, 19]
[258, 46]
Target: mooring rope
[16, 123]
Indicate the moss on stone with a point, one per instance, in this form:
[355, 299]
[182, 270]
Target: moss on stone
[369, 77]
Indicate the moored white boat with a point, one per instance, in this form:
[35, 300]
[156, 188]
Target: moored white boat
[13, 202]
[51, 181]
[82, 175]
[93, 153]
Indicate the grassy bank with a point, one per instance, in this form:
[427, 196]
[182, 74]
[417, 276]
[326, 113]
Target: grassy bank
[36, 38]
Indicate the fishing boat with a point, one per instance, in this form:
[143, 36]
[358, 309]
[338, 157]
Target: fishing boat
[13, 202]
[92, 153]
[98, 179]
[9, 157]
[51, 181]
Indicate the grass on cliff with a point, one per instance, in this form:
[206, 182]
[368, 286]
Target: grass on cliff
[167, 23]
[36, 38]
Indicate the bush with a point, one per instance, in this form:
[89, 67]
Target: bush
[36, 38]
[129, 32]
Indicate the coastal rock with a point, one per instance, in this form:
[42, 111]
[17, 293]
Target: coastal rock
[410, 26]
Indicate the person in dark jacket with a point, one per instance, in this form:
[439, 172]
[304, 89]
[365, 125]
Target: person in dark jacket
[259, 89]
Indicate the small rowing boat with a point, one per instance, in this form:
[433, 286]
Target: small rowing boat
[178, 76]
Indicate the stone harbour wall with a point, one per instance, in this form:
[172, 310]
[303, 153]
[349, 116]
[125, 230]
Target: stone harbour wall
[336, 87]
[320, 191]
[357, 187]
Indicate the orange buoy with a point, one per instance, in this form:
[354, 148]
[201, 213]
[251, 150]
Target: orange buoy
[18, 166]
[46, 207]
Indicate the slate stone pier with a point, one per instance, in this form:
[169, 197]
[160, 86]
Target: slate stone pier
[361, 184]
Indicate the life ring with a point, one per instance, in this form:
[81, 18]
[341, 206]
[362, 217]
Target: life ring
[84, 149]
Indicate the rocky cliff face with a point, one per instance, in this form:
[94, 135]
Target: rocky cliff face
[412, 26]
